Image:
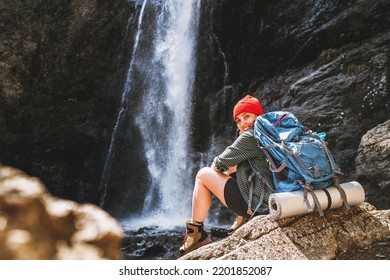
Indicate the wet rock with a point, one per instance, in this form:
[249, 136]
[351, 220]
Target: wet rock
[154, 244]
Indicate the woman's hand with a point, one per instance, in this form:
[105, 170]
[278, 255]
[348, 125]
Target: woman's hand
[231, 170]
[227, 172]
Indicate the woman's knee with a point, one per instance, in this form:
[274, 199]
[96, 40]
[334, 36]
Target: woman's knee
[204, 172]
[213, 181]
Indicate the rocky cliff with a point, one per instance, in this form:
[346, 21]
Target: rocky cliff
[326, 62]
[57, 85]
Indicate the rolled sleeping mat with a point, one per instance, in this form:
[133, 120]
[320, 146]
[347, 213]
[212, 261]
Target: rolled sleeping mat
[289, 204]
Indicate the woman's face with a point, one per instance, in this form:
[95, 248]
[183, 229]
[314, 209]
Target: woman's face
[245, 121]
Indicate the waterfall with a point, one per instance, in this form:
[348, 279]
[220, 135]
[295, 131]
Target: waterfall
[165, 118]
[160, 74]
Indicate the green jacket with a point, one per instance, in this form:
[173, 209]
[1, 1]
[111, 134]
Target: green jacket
[243, 149]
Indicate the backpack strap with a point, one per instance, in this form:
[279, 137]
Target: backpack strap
[334, 170]
[342, 192]
[308, 188]
[328, 196]
[282, 117]
[291, 153]
[273, 167]
[326, 149]
[265, 183]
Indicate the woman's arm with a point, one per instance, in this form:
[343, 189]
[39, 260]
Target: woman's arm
[244, 148]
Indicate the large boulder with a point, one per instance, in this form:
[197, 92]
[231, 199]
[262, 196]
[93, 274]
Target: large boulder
[304, 237]
[36, 225]
[373, 164]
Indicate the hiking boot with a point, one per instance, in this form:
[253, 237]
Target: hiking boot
[238, 222]
[194, 237]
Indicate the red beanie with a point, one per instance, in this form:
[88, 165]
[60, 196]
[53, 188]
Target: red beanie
[248, 104]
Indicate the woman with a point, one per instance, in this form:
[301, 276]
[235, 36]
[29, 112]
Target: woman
[242, 157]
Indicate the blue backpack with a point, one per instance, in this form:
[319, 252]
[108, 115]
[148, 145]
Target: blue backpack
[299, 159]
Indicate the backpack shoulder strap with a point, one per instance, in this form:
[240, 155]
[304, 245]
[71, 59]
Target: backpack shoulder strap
[265, 183]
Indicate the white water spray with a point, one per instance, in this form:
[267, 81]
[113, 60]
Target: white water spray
[165, 119]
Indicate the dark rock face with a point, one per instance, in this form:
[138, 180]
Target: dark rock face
[327, 63]
[59, 65]
[62, 67]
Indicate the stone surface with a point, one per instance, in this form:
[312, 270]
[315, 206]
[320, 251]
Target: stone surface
[299, 238]
[373, 164]
[34, 225]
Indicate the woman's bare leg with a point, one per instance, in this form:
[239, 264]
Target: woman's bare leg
[208, 181]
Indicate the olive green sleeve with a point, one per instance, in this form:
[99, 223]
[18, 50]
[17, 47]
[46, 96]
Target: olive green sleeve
[244, 148]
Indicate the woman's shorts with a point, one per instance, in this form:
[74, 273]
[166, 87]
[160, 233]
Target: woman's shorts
[234, 199]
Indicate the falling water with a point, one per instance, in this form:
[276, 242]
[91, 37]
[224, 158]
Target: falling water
[165, 120]
[166, 70]
[122, 109]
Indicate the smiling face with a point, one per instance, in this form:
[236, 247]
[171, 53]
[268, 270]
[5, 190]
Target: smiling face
[245, 121]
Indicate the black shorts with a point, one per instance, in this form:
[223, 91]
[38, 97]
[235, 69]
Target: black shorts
[234, 199]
